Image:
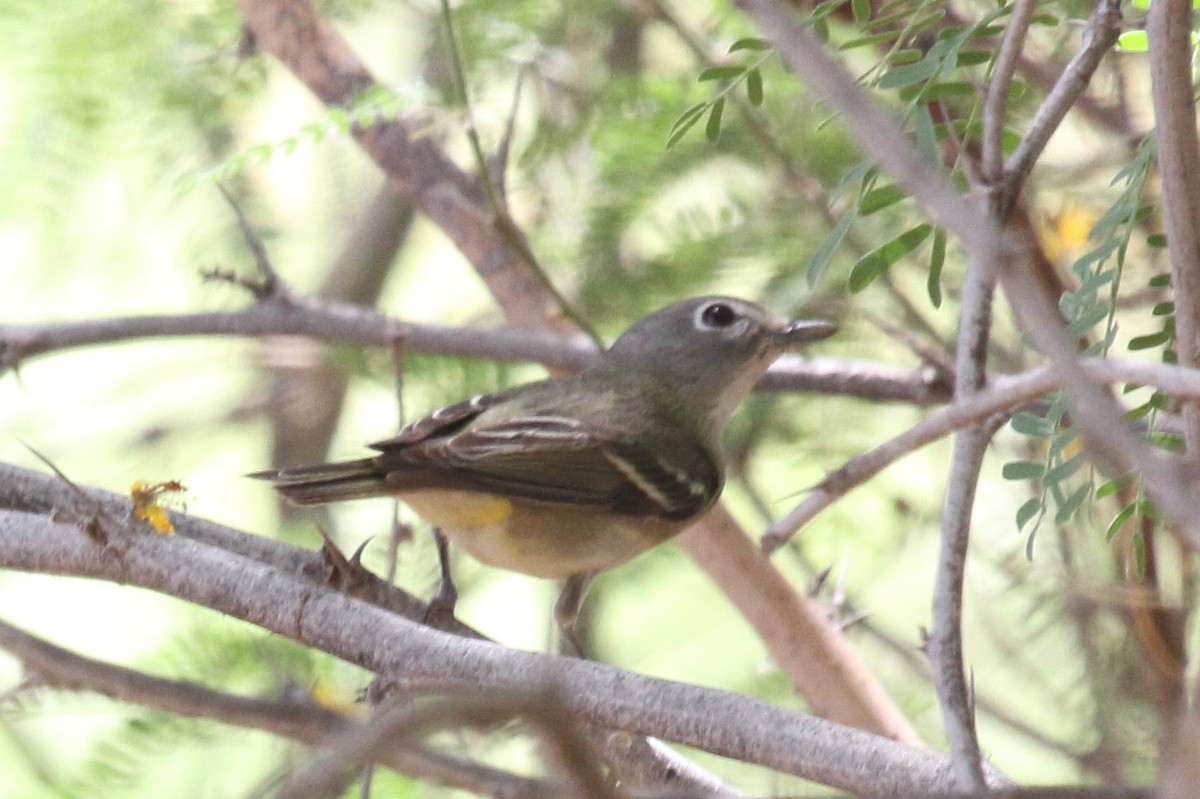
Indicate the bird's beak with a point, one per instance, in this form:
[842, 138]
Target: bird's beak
[793, 334]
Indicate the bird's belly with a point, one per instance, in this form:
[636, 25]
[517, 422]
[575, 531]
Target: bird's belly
[541, 539]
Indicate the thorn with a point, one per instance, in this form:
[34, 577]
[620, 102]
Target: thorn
[345, 573]
[356, 558]
[819, 582]
[90, 523]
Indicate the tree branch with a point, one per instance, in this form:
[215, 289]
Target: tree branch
[302, 721]
[1005, 394]
[343, 323]
[1099, 35]
[1178, 150]
[417, 656]
[997, 92]
[321, 59]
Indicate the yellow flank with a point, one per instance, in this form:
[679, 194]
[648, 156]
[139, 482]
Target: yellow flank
[459, 510]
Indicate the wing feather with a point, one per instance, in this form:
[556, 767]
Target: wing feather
[553, 459]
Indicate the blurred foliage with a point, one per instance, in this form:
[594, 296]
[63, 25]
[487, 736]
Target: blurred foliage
[119, 117]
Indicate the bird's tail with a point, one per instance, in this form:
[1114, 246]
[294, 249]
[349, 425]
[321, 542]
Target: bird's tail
[329, 482]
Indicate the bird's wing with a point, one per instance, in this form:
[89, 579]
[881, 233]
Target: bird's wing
[442, 422]
[554, 459]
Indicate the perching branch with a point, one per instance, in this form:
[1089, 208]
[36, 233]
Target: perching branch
[423, 658]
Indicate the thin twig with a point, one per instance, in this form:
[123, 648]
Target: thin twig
[270, 285]
[303, 721]
[1099, 35]
[1005, 393]
[944, 646]
[997, 92]
[406, 724]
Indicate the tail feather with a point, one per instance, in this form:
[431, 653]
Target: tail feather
[328, 482]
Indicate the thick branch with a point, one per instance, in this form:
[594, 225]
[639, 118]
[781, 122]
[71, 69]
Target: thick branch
[877, 133]
[321, 59]
[329, 620]
[1169, 25]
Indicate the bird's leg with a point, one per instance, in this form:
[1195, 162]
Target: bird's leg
[443, 602]
[566, 612]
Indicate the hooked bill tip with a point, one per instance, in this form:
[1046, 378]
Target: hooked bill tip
[804, 331]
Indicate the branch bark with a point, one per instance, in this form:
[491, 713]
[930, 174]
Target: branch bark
[1168, 27]
[424, 658]
[342, 323]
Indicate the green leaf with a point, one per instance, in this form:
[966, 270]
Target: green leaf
[1028, 424]
[1150, 341]
[1027, 511]
[860, 10]
[685, 122]
[824, 253]
[854, 176]
[1023, 470]
[749, 43]
[1167, 441]
[864, 41]
[720, 73]
[1163, 309]
[1159, 281]
[1156, 240]
[1119, 520]
[1065, 469]
[876, 262]
[909, 74]
[713, 128]
[1067, 509]
[878, 199]
[937, 259]
[926, 135]
[942, 90]
[754, 87]
[1133, 42]
[1111, 487]
[1087, 320]
[969, 58]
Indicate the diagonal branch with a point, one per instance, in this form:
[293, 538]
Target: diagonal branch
[1099, 35]
[1004, 395]
[418, 168]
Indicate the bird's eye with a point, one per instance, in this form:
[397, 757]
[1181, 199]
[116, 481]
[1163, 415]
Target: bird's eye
[718, 315]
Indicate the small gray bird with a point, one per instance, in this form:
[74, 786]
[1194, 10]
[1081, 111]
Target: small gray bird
[569, 476]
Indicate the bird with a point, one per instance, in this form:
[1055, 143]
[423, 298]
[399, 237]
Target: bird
[569, 476]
